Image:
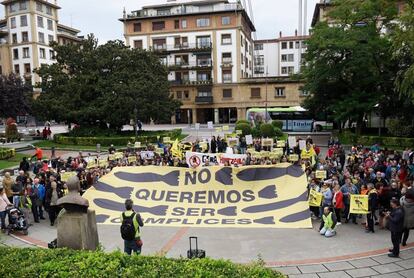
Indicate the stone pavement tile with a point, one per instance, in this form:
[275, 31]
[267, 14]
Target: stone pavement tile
[407, 264]
[361, 272]
[407, 273]
[312, 268]
[288, 270]
[387, 268]
[338, 266]
[309, 275]
[363, 262]
[384, 259]
[335, 274]
[408, 254]
[388, 275]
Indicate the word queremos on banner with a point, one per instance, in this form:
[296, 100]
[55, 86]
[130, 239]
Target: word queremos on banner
[249, 197]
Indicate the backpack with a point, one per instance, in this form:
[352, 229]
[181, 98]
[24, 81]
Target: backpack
[127, 228]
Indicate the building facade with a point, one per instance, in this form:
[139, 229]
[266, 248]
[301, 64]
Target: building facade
[209, 50]
[26, 32]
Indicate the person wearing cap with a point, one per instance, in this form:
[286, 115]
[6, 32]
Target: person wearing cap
[4, 203]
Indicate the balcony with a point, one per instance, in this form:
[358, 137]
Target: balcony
[187, 47]
[204, 100]
[227, 63]
[197, 83]
[203, 64]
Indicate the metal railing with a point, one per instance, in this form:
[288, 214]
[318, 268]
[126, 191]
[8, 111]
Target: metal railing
[198, 64]
[179, 47]
[191, 82]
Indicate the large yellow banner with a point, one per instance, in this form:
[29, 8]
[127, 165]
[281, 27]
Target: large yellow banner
[246, 197]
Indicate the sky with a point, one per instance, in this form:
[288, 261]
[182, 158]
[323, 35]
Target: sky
[101, 16]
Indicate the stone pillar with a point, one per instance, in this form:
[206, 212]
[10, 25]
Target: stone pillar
[241, 113]
[216, 116]
[194, 115]
[173, 119]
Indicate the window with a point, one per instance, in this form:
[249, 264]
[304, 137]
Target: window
[23, 5]
[25, 36]
[241, 40]
[14, 38]
[255, 93]
[40, 22]
[226, 39]
[242, 59]
[50, 24]
[226, 58]
[49, 10]
[164, 12]
[259, 70]
[284, 45]
[13, 7]
[259, 60]
[291, 45]
[227, 76]
[287, 70]
[280, 92]
[138, 44]
[158, 25]
[179, 95]
[303, 92]
[41, 37]
[159, 44]
[204, 76]
[137, 27]
[42, 53]
[297, 45]
[50, 38]
[204, 41]
[176, 24]
[184, 23]
[27, 69]
[290, 57]
[13, 22]
[186, 94]
[1, 70]
[26, 52]
[203, 22]
[291, 70]
[52, 55]
[258, 46]
[23, 20]
[225, 20]
[39, 7]
[16, 69]
[204, 94]
[227, 93]
[15, 54]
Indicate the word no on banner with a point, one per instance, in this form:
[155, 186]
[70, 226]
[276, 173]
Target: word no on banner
[250, 197]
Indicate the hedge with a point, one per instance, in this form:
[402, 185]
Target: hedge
[117, 141]
[7, 153]
[267, 130]
[31, 262]
[245, 128]
[351, 138]
[277, 124]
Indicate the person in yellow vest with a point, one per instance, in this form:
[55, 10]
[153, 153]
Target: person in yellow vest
[130, 229]
[328, 224]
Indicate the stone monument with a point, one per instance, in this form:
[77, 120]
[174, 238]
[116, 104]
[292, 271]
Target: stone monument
[76, 226]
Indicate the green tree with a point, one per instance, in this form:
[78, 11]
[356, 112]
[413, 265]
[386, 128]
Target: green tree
[349, 67]
[14, 96]
[93, 84]
[403, 44]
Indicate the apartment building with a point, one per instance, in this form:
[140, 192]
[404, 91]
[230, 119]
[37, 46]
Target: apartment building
[26, 31]
[208, 49]
[279, 57]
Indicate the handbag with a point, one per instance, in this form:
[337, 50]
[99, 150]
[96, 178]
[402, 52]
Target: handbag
[140, 242]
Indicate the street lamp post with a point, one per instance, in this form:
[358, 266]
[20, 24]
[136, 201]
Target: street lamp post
[136, 122]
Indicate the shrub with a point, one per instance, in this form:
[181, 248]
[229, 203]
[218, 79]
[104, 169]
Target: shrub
[30, 262]
[278, 124]
[7, 153]
[242, 122]
[392, 142]
[400, 128]
[278, 132]
[245, 128]
[267, 130]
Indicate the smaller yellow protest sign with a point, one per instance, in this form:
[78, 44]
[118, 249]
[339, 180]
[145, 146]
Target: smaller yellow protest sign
[67, 175]
[239, 132]
[232, 142]
[91, 164]
[219, 129]
[359, 204]
[293, 157]
[280, 144]
[320, 174]
[166, 139]
[267, 142]
[111, 157]
[264, 154]
[119, 155]
[315, 198]
[159, 150]
[278, 151]
[226, 128]
[137, 145]
[103, 163]
[132, 159]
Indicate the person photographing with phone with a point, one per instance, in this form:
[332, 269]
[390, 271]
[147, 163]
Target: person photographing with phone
[130, 229]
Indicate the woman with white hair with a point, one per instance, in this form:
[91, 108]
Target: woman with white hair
[4, 203]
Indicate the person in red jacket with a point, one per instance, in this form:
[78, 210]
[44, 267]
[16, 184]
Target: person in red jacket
[338, 202]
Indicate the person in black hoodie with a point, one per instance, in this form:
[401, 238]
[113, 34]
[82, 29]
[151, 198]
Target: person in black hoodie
[396, 225]
[213, 145]
[372, 207]
[24, 165]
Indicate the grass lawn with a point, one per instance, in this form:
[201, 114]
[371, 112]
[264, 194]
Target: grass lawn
[15, 161]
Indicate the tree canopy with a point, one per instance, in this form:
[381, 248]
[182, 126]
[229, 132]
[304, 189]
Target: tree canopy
[14, 96]
[349, 66]
[93, 84]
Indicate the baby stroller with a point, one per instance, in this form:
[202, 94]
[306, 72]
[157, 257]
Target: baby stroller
[17, 221]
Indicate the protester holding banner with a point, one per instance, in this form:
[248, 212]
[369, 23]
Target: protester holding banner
[349, 189]
[372, 207]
